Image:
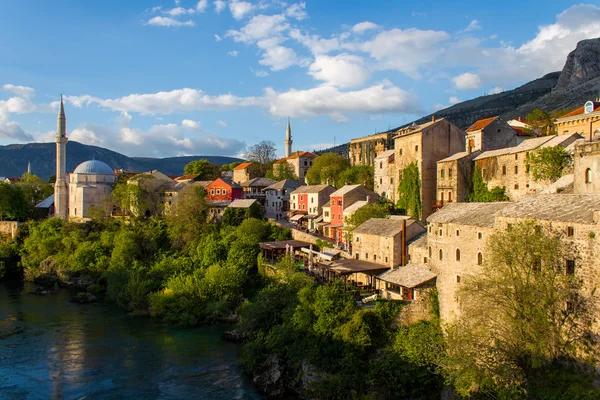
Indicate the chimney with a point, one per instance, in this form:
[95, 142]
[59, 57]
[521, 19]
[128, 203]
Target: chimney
[403, 244]
[328, 181]
[519, 119]
[368, 197]
[433, 118]
[306, 180]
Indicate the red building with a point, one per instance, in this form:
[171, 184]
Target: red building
[340, 200]
[222, 189]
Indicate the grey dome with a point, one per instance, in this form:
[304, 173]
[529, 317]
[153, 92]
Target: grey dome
[94, 167]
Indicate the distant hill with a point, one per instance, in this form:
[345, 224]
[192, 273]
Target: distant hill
[14, 159]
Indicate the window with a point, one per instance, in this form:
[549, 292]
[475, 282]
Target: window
[391, 180]
[516, 156]
[218, 191]
[374, 257]
[570, 231]
[504, 170]
[458, 279]
[380, 164]
[357, 256]
[516, 186]
[339, 202]
[357, 239]
[400, 151]
[589, 107]
[479, 235]
[212, 191]
[306, 163]
[449, 196]
[442, 173]
[457, 254]
[457, 232]
[312, 199]
[429, 251]
[327, 213]
[449, 172]
[429, 228]
[386, 259]
[381, 181]
[588, 175]
[479, 259]
[527, 168]
[417, 148]
[366, 256]
[570, 267]
[441, 255]
[440, 232]
[516, 169]
[483, 172]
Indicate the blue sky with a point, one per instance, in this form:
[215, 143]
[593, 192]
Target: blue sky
[210, 77]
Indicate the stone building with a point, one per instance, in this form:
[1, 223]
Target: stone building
[253, 189]
[241, 173]
[508, 167]
[90, 186]
[455, 176]
[426, 144]
[458, 235]
[300, 161]
[384, 173]
[156, 185]
[584, 120]
[364, 150]
[586, 167]
[277, 202]
[490, 134]
[384, 240]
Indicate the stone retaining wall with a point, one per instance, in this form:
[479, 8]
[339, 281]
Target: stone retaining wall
[9, 228]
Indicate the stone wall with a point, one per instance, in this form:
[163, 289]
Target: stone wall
[9, 228]
[587, 156]
[362, 151]
[511, 172]
[384, 173]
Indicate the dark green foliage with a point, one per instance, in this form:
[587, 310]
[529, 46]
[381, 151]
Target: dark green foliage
[281, 171]
[547, 163]
[13, 205]
[235, 216]
[205, 170]
[357, 174]
[480, 192]
[9, 260]
[326, 168]
[363, 214]
[409, 191]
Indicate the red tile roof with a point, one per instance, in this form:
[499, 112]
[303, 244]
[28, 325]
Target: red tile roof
[482, 123]
[281, 160]
[243, 165]
[302, 154]
[580, 110]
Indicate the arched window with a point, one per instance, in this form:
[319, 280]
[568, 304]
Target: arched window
[441, 255]
[457, 254]
[588, 175]
[479, 259]
[589, 107]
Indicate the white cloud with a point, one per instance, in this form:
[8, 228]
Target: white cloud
[277, 57]
[328, 100]
[418, 14]
[259, 27]
[453, 100]
[233, 53]
[167, 102]
[496, 90]
[177, 11]
[222, 123]
[473, 26]
[297, 11]
[191, 124]
[342, 70]
[201, 6]
[170, 22]
[240, 8]
[21, 91]
[219, 6]
[467, 81]
[218, 38]
[405, 50]
[314, 43]
[364, 26]
[438, 107]
[260, 73]
[85, 135]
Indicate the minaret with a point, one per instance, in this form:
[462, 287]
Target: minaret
[61, 207]
[288, 140]
[29, 167]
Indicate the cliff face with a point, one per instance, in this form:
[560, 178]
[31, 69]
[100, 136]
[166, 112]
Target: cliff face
[582, 66]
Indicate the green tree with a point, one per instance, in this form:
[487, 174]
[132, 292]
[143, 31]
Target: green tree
[547, 163]
[34, 189]
[363, 214]
[541, 122]
[523, 314]
[480, 192]
[187, 221]
[262, 155]
[357, 174]
[281, 171]
[235, 216]
[13, 204]
[409, 191]
[205, 170]
[326, 168]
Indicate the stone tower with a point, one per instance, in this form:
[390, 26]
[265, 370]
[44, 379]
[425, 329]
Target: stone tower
[61, 203]
[288, 140]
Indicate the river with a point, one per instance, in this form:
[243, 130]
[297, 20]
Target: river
[53, 349]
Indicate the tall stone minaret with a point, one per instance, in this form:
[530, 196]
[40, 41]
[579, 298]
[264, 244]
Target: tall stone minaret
[29, 167]
[61, 206]
[288, 140]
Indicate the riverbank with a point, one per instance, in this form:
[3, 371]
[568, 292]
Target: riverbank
[50, 347]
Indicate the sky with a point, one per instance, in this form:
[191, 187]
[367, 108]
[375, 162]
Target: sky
[212, 77]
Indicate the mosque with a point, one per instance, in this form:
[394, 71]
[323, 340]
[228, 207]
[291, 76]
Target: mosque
[89, 186]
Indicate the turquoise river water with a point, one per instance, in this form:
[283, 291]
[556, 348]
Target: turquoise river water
[53, 349]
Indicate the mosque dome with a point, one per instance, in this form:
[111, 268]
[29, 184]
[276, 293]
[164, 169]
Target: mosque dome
[94, 167]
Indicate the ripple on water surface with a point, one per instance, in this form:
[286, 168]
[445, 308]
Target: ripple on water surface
[50, 348]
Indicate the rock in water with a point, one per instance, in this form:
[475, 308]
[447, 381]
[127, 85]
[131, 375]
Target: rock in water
[84, 298]
[270, 381]
[235, 336]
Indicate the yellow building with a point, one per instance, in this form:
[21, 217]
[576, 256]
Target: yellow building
[584, 120]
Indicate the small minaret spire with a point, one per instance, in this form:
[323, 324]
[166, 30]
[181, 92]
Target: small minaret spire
[61, 207]
[288, 139]
[29, 167]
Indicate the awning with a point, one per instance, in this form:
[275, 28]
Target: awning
[297, 217]
[319, 219]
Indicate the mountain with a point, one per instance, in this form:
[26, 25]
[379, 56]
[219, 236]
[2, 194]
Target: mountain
[14, 159]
